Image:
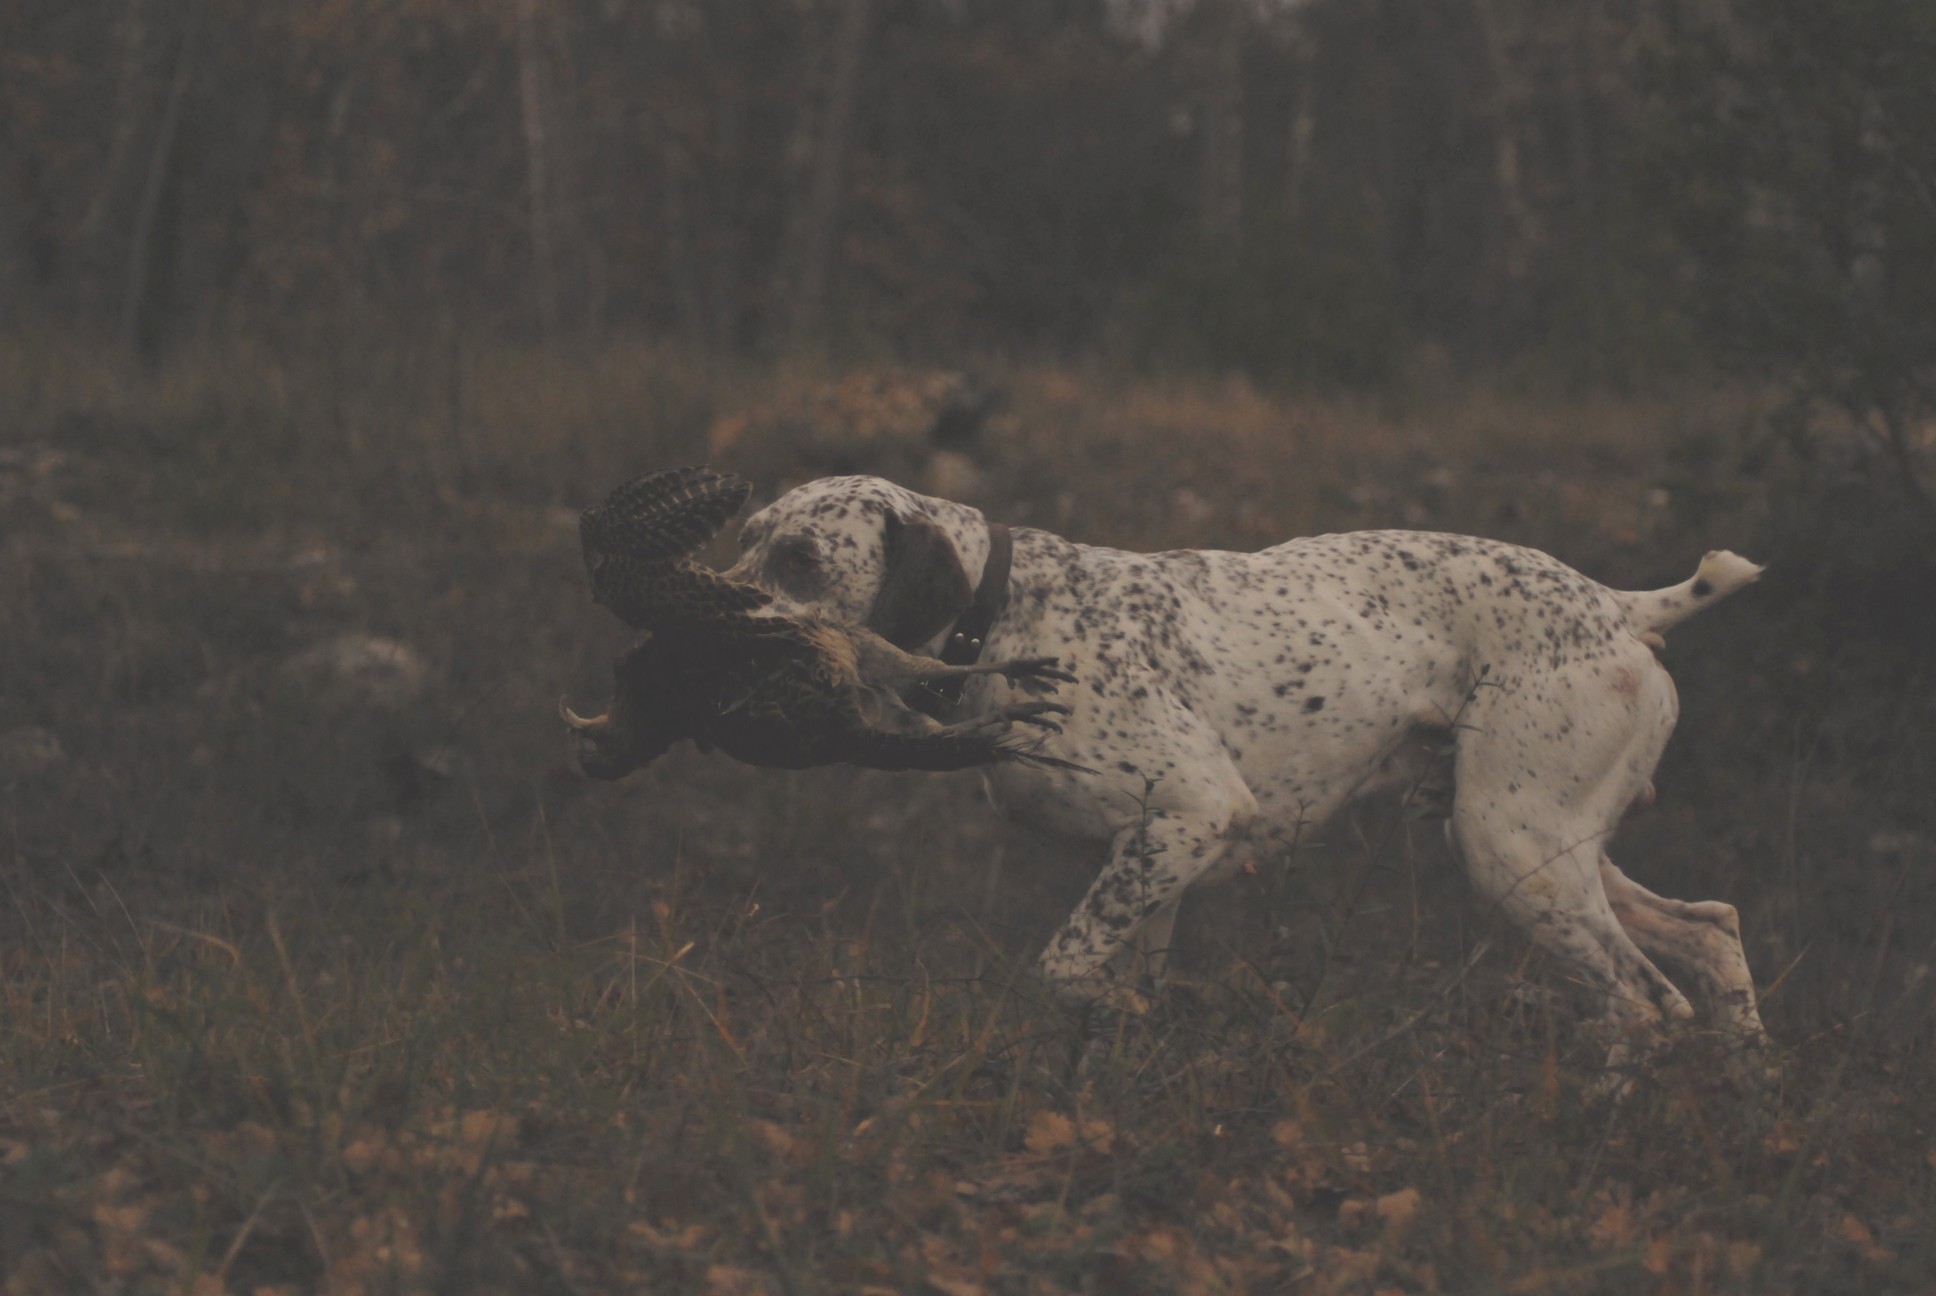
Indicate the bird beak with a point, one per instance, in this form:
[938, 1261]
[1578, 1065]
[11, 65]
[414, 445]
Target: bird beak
[580, 723]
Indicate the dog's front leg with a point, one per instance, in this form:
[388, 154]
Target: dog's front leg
[1151, 862]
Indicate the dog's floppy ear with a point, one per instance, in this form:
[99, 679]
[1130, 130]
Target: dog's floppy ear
[923, 587]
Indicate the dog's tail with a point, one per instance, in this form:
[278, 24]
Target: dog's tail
[1720, 574]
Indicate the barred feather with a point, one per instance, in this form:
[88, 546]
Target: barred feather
[663, 516]
[650, 596]
[637, 545]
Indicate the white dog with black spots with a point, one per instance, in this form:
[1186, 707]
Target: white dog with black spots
[1229, 702]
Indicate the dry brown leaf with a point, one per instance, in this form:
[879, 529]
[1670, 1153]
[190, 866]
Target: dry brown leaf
[121, 1255]
[123, 1219]
[248, 1139]
[1274, 1194]
[1097, 1135]
[1159, 1244]
[484, 1128]
[785, 1202]
[1857, 1234]
[365, 1150]
[1342, 1265]
[1049, 1131]
[945, 1271]
[119, 1179]
[1398, 1209]
[1784, 1138]
[165, 1256]
[1100, 1204]
[1614, 1228]
[732, 1280]
[689, 1238]
[774, 1137]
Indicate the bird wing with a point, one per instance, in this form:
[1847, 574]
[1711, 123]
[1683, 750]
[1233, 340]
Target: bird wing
[637, 545]
[665, 596]
[662, 516]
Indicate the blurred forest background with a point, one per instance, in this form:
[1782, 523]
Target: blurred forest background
[1313, 191]
[322, 969]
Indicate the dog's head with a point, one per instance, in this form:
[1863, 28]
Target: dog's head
[863, 551]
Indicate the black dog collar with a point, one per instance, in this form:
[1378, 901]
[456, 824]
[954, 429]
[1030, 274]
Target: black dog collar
[963, 645]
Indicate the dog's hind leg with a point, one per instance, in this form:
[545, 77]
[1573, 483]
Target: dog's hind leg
[1535, 803]
[1703, 937]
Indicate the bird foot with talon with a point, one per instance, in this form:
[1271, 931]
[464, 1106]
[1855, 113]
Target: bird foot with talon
[1034, 713]
[1036, 674]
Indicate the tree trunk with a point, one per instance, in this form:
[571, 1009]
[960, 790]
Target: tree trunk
[675, 213]
[727, 315]
[1221, 195]
[819, 221]
[1511, 233]
[13, 240]
[537, 170]
[1304, 119]
[127, 116]
[1868, 238]
[157, 232]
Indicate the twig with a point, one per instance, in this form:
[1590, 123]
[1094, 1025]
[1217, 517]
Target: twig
[242, 1234]
[1472, 960]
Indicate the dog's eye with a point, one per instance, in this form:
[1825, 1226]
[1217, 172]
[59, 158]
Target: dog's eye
[796, 553]
[794, 564]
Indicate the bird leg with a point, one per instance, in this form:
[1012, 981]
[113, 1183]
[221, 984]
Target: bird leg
[880, 662]
[1036, 674]
[1034, 713]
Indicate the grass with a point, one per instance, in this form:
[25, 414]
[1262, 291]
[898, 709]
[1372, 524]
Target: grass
[306, 995]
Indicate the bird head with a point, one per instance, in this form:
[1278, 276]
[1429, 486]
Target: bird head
[635, 730]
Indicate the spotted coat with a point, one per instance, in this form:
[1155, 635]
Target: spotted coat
[1230, 702]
